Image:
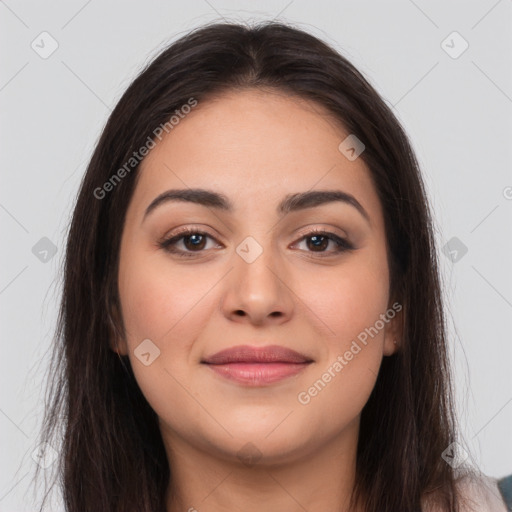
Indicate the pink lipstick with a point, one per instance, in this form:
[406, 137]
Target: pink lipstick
[257, 366]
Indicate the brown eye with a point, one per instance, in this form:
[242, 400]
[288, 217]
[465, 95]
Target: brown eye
[192, 241]
[318, 241]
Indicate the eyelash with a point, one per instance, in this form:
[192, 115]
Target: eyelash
[168, 244]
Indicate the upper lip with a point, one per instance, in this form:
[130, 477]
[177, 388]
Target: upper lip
[248, 354]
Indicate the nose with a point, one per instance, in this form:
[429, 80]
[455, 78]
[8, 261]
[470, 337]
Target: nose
[258, 292]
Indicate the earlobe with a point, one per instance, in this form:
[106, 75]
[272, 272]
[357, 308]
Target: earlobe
[116, 342]
[118, 346]
[394, 334]
[390, 347]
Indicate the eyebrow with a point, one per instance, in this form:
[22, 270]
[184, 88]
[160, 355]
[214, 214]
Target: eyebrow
[290, 203]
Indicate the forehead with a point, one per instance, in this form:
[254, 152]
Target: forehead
[255, 146]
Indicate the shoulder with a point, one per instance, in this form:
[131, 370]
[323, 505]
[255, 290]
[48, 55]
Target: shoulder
[505, 485]
[480, 493]
[477, 493]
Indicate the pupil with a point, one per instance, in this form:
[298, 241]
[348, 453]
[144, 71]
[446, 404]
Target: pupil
[197, 240]
[318, 241]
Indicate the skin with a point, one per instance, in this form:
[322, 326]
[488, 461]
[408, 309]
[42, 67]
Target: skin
[255, 147]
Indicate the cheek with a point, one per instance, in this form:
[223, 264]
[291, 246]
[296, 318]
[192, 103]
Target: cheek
[161, 302]
[167, 307]
[349, 303]
[349, 299]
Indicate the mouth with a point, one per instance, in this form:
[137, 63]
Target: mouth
[257, 366]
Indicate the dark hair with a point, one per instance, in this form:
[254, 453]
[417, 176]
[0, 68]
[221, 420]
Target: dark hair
[112, 455]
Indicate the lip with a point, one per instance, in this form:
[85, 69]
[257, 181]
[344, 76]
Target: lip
[249, 354]
[257, 366]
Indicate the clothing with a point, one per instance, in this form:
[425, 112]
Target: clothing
[477, 493]
[505, 488]
[482, 494]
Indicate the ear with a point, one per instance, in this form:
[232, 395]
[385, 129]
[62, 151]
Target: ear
[116, 341]
[394, 331]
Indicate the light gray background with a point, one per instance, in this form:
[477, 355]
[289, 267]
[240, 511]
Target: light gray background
[457, 112]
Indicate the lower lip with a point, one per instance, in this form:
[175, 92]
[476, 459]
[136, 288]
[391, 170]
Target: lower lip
[257, 374]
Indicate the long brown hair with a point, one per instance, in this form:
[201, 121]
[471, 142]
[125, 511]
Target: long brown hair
[111, 453]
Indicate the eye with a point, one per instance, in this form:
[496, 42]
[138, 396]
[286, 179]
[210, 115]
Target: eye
[193, 241]
[318, 240]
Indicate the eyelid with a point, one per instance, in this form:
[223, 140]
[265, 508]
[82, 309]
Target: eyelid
[318, 228]
[166, 242]
[342, 242]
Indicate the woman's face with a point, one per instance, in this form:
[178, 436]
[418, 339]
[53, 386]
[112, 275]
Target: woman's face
[252, 274]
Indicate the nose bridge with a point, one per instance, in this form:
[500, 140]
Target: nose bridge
[256, 263]
[256, 285]
[257, 251]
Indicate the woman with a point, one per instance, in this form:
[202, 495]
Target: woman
[251, 314]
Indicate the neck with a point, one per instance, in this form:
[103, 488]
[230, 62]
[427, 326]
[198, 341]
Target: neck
[320, 480]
